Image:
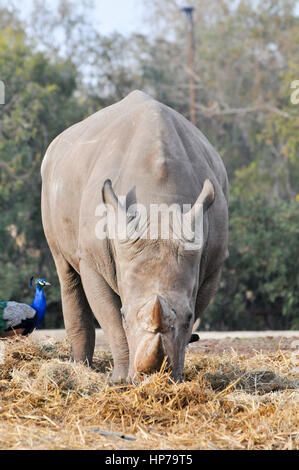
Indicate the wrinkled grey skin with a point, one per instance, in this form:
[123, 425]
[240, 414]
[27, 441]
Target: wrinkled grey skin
[148, 294]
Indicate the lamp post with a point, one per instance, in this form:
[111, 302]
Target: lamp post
[188, 11]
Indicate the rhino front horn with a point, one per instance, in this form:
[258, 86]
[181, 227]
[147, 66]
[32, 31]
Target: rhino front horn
[151, 357]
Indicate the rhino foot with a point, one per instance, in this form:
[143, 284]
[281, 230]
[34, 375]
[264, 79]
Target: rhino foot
[119, 375]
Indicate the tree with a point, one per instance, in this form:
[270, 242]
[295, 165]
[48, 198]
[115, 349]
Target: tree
[259, 286]
[39, 104]
[246, 58]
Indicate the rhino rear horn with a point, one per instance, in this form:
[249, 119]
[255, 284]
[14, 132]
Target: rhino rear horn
[157, 315]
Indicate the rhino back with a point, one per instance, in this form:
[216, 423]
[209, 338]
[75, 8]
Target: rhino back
[136, 142]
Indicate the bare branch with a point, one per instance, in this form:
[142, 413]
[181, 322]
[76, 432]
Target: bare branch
[214, 110]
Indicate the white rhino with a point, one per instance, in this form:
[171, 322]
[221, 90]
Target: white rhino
[145, 293]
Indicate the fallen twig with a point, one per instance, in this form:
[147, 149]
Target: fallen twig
[114, 434]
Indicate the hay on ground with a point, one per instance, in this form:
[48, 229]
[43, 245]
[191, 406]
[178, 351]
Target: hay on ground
[226, 401]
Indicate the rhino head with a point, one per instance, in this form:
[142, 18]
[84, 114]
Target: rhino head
[158, 283]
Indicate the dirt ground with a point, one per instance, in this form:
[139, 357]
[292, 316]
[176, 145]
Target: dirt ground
[245, 346]
[241, 342]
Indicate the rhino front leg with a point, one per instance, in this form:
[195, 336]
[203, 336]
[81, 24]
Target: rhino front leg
[205, 294]
[78, 317]
[106, 305]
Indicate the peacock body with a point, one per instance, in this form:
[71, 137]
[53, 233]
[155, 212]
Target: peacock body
[19, 316]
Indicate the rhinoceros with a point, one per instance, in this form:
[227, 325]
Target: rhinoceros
[145, 293]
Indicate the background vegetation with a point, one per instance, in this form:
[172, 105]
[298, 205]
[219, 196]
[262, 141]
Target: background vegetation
[58, 69]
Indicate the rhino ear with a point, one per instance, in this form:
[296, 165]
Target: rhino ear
[205, 198]
[122, 210]
[109, 196]
[131, 198]
[193, 219]
[207, 195]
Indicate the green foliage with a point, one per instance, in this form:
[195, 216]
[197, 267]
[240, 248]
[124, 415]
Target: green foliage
[259, 287]
[39, 104]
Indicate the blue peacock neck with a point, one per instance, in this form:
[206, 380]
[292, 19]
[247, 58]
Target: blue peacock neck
[39, 304]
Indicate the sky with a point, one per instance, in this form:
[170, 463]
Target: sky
[123, 16]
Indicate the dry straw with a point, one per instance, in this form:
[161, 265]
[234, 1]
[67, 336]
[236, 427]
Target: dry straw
[225, 402]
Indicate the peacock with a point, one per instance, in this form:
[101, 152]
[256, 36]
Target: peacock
[18, 318]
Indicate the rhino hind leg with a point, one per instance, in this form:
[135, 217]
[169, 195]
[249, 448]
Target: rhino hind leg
[78, 317]
[106, 305]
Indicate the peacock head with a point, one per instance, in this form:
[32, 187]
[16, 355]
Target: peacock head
[40, 283]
